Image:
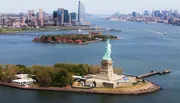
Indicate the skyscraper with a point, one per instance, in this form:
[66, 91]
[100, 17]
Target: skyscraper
[157, 13]
[69, 21]
[66, 16]
[40, 18]
[60, 16]
[22, 18]
[134, 14]
[54, 14]
[73, 16]
[146, 13]
[0, 19]
[30, 14]
[81, 12]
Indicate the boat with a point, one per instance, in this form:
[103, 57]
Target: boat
[79, 30]
[165, 33]
[159, 33]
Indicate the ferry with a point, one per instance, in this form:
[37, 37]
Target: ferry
[165, 33]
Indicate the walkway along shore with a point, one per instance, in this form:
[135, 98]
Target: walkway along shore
[149, 89]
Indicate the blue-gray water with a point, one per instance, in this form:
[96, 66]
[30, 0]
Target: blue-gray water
[141, 49]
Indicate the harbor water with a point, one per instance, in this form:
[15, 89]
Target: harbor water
[142, 48]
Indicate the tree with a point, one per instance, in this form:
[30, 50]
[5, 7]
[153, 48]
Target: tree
[43, 78]
[94, 69]
[62, 78]
[53, 38]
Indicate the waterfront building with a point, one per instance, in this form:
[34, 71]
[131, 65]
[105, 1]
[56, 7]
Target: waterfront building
[73, 16]
[60, 16]
[152, 13]
[157, 13]
[23, 80]
[146, 13]
[44, 15]
[37, 15]
[34, 22]
[40, 18]
[30, 14]
[66, 16]
[4, 20]
[134, 14]
[22, 18]
[55, 19]
[81, 12]
[0, 19]
[69, 19]
[54, 14]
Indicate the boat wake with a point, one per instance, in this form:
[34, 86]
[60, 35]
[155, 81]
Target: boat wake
[165, 33]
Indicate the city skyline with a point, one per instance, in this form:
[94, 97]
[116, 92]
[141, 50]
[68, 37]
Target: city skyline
[107, 7]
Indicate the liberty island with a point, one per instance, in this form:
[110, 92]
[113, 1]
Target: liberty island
[106, 81]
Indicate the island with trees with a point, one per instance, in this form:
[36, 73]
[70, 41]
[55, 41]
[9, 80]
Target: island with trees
[58, 75]
[74, 38]
[63, 77]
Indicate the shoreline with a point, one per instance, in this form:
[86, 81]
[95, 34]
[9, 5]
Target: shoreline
[47, 29]
[150, 89]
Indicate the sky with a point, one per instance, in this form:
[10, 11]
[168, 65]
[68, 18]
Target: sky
[92, 6]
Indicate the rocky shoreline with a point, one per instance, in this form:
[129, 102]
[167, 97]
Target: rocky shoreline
[144, 90]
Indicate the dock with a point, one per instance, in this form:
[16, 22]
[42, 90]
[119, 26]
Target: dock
[152, 73]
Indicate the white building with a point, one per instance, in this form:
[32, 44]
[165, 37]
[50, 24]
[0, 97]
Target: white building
[23, 80]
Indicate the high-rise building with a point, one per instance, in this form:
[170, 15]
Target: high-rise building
[4, 20]
[54, 14]
[40, 14]
[60, 16]
[55, 17]
[134, 14]
[157, 13]
[40, 18]
[30, 14]
[0, 18]
[146, 13]
[44, 15]
[22, 18]
[69, 21]
[37, 15]
[73, 16]
[81, 12]
[152, 13]
[66, 16]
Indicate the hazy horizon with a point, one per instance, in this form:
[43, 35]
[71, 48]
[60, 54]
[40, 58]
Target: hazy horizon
[92, 6]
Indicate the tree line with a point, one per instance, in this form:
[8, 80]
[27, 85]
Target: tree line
[58, 75]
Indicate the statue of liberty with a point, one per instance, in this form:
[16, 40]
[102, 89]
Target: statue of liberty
[107, 55]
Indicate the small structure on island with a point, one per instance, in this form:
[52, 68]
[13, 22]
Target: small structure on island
[107, 77]
[23, 80]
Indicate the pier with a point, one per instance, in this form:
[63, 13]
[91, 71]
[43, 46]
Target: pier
[152, 73]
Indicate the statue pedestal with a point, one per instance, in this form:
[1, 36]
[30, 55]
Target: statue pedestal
[107, 69]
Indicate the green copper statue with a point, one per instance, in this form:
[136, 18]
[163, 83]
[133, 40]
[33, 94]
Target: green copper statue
[107, 55]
